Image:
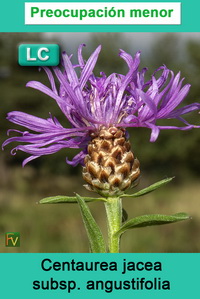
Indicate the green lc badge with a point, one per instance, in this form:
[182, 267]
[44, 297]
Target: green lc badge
[38, 54]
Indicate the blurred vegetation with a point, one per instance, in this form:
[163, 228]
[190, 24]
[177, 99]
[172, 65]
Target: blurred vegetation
[58, 228]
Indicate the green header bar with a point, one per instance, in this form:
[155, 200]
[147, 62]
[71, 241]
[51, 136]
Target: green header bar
[12, 19]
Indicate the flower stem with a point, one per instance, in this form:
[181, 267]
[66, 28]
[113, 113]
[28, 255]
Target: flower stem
[113, 207]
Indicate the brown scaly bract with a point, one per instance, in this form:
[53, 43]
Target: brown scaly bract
[110, 165]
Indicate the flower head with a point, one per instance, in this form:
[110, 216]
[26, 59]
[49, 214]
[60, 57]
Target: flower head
[92, 103]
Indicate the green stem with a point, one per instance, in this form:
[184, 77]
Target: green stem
[113, 207]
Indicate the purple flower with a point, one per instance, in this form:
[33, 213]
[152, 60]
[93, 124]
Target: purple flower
[90, 103]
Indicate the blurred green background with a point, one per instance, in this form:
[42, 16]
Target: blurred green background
[59, 228]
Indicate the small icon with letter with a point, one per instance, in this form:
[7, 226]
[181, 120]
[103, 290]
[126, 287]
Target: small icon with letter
[12, 239]
[38, 54]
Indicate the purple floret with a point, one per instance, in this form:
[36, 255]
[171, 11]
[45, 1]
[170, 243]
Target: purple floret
[90, 103]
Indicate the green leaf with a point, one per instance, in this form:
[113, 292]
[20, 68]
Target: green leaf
[67, 199]
[155, 219]
[150, 188]
[95, 236]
